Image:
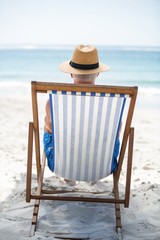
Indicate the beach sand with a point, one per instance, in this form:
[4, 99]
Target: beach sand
[95, 221]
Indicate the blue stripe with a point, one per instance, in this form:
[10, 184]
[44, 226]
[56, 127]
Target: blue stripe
[120, 119]
[114, 164]
[123, 105]
[54, 91]
[93, 94]
[114, 135]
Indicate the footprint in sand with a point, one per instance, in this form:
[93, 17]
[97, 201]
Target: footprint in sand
[147, 167]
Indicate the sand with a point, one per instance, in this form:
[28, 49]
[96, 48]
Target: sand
[82, 220]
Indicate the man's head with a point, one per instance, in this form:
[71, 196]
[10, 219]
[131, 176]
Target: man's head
[84, 62]
[84, 79]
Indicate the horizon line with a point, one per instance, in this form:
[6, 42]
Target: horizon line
[66, 46]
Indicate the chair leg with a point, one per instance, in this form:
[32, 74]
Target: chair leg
[118, 216]
[117, 205]
[29, 162]
[37, 201]
[129, 167]
[34, 218]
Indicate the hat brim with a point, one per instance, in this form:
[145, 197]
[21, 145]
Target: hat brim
[67, 68]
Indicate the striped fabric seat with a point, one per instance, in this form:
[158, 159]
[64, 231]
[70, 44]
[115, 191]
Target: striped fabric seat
[85, 128]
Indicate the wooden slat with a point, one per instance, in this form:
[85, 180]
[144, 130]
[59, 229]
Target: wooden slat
[43, 87]
[36, 127]
[78, 199]
[129, 167]
[126, 133]
[29, 162]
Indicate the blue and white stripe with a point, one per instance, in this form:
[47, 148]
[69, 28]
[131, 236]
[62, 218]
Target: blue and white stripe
[85, 127]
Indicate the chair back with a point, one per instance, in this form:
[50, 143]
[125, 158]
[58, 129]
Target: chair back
[85, 129]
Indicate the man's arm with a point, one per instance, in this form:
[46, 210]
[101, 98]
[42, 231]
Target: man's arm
[47, 120]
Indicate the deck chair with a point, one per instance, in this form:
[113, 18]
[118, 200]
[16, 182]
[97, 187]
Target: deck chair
[86, 121]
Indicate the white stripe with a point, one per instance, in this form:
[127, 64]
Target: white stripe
[93, 134]
[108, 158]
[56, 132]
[60, 160]
[69, 126]
[102, 131]
[77, 129]
[85, 131]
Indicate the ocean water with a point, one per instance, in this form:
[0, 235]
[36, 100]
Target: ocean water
[129, 66]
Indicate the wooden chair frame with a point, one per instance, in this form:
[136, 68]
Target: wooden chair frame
[41, 194]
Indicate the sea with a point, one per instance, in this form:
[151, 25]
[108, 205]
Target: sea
[130, 66]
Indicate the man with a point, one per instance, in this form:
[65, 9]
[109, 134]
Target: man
[84, 68]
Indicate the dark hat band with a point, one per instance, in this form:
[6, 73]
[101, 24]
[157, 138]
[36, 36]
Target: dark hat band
[84, 66]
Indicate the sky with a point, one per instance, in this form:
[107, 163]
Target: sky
[68, 22]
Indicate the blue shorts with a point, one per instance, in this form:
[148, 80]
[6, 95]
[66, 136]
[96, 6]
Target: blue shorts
[48, 147]
[115, 155]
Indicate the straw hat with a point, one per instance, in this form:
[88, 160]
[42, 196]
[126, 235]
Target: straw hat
[84, 61]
